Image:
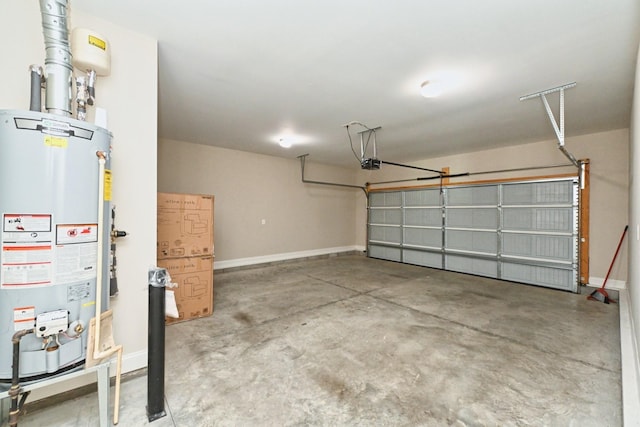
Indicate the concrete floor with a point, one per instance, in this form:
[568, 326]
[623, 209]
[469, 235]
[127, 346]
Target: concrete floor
[354, 341]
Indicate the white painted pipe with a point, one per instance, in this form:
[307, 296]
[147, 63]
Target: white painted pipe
[97, 354]
[100, 262]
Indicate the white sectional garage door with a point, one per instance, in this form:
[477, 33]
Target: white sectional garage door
[518, 231]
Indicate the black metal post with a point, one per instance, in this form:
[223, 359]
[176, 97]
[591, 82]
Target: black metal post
[155, 365]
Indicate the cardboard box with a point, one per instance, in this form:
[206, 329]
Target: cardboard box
[185, 225]
[194, 294]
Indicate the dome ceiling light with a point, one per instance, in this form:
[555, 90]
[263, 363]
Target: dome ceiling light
[430, 89]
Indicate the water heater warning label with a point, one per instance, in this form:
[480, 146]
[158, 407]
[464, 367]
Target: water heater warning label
[76, 252]
[107, 185]
[25, 223]
[27, 253]
[67, 234]
[23, 318]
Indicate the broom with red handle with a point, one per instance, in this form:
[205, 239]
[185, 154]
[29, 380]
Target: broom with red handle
[600, 294]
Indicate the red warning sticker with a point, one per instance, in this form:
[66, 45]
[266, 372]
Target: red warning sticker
[68, 234]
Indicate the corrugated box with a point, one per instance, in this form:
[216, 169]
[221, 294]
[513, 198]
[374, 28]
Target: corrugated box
[194, 294]
[185, 225]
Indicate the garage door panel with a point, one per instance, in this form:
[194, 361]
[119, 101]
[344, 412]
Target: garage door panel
[533, 193]
[538, 219]
[386, 216]
[472, 196]
[422, 198]
[423, 217]
[385, 199]
[557, 278]
[425, 259]
[556, 248]
[475, 241]
[379, 233]
[383, 252]
[466, 264]
[486, 218]
[429, 237]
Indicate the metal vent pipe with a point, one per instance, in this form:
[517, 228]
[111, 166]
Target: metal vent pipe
[57, 64]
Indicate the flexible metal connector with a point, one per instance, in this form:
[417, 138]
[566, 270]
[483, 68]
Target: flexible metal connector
[91, 86]
[57, 64]
[81, 98]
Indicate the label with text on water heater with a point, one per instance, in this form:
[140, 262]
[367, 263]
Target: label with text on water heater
[107, 185]
[76, 255]
[67, 234]
[27, 252]
[23, 318]
[56, 141]
[23, 223]
[55, 125]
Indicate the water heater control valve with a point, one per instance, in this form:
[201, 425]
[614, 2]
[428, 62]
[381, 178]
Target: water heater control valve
[52, 323]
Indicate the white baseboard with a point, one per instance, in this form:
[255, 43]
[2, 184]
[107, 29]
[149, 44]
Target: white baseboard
[242, 262]
[131, 362]
[596, 282]
[630, 358]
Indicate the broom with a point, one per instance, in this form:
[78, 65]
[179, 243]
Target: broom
[600, 294]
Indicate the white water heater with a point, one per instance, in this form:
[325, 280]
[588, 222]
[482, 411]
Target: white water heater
[49, 208]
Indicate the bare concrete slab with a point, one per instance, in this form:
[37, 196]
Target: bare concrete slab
[355, 341]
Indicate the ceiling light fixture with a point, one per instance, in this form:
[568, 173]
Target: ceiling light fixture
[285, 143]
[429, 89]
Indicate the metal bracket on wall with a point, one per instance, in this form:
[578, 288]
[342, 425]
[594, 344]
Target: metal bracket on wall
[558, 128]
[308, 181]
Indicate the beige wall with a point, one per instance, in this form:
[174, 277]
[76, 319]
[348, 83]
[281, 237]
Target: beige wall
[631, 370]
[251, 187]
[129, 95]
[307, 217]
[608, 153]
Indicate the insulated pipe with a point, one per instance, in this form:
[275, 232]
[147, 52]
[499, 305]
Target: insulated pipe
[35, 100]
[14, 391]
[58, 67]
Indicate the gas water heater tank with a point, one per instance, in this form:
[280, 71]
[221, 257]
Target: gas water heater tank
[49, 202]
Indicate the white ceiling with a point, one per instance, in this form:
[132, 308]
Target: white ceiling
[239, 73]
